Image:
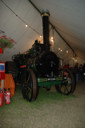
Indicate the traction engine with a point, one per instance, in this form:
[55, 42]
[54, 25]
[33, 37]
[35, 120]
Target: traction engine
[39, 67]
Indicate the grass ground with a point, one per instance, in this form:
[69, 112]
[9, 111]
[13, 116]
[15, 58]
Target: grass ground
[50, 110]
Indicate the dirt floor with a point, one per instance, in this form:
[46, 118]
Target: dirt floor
[50, 110]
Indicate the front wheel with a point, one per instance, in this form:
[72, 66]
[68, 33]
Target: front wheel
[68, 83]
[29, 89]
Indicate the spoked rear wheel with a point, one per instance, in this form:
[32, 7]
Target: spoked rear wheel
[29, 89]
[68, 84]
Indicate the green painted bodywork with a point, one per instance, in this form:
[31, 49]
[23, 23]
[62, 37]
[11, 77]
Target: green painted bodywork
[48, 82]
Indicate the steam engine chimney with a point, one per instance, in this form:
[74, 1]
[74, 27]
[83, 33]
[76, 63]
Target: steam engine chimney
[45, 21]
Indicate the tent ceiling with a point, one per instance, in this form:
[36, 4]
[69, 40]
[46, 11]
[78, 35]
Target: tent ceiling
[68, 16]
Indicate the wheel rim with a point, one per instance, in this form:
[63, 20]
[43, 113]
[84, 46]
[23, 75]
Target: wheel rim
[30, 86]
[29, 89]
[68, 83]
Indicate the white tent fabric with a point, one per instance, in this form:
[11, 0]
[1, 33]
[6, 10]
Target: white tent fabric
[15, 28]
[68, 16]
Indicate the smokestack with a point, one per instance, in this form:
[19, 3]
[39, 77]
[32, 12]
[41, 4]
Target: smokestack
[45, 21]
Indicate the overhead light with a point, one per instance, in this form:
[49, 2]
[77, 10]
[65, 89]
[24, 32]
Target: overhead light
[76, 60]
[67, 51]
[51, 39]
[41, 39]
[59, 49]
[40, 36]
[26, 25]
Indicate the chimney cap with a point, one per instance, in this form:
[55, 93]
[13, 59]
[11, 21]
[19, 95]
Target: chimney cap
[45, 12]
